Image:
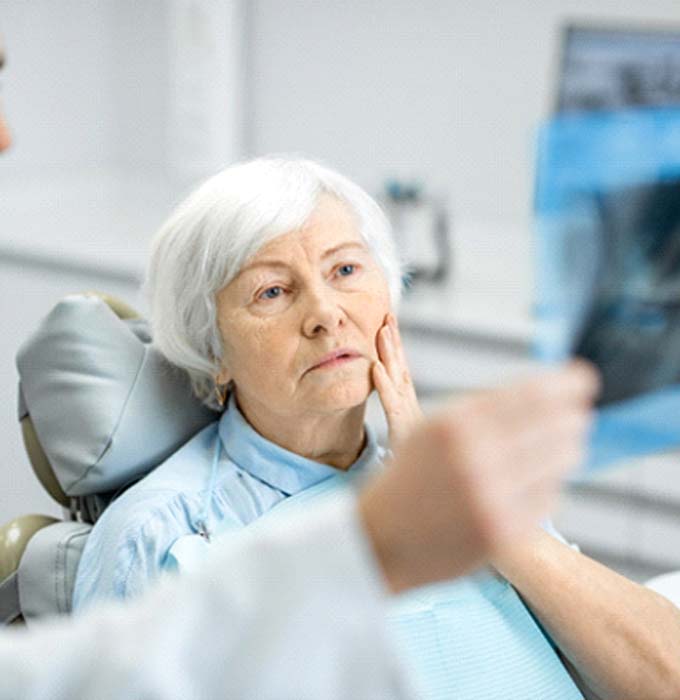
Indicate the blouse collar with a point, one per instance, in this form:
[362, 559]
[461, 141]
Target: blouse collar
[280, 468]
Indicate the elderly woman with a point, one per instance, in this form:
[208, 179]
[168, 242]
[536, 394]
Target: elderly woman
[274, 285]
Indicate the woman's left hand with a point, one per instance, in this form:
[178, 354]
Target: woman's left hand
[393, 382]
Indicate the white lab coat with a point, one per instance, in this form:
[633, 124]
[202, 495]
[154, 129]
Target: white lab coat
[291, 611]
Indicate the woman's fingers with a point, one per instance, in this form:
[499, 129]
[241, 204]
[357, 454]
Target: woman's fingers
[391, 353]
[392, 380]
[387, 352]
[396, 339]
[389, 396]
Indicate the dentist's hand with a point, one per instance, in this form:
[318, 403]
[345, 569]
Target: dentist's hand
[477, 476]
[392, 380]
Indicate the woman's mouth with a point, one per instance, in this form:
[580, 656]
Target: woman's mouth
[336, 359]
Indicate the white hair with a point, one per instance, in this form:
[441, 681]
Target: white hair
[218, 228]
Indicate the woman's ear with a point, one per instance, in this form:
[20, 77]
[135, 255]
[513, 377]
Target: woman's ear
[223, 376]
[222, 387]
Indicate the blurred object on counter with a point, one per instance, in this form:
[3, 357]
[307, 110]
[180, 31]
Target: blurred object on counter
[421, 230]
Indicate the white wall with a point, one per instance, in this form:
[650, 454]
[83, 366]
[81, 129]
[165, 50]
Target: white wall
[86, 83]
[103, 150]
[57, 82]
[447, 91]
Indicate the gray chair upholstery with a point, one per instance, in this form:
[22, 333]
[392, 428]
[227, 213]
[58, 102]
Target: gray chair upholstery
[14, 538]
[47, 570]
[99, 408]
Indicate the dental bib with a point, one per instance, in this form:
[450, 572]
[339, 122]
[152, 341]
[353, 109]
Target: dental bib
[467, 639]
[474, 639]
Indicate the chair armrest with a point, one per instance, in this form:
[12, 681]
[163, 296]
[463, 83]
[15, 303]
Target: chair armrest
[14, 538]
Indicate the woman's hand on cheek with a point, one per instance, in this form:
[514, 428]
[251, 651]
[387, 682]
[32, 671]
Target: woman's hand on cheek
[392, 380]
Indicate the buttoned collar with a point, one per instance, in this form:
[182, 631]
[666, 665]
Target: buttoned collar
[283, 470]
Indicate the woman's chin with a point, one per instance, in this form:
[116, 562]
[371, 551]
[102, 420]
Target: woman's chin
[341, 395]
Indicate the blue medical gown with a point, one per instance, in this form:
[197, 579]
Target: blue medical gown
[471, 639]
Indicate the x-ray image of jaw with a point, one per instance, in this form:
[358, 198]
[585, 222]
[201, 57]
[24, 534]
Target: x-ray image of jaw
[632, 328]
[607, 269]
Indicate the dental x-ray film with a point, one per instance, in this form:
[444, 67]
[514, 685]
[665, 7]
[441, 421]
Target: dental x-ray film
[608, 269]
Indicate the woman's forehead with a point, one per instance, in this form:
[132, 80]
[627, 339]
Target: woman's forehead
[292, 248]
[328, 228]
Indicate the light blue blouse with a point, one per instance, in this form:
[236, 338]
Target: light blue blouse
[468, 639]
[129, 545]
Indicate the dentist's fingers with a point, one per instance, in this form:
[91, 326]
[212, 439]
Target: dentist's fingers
[467, 481]
[529, 420]
[553, 446]
[574, 384]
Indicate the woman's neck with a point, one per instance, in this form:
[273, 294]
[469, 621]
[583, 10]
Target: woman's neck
[336, 439]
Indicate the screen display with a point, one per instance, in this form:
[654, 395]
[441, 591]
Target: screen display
[618, 68]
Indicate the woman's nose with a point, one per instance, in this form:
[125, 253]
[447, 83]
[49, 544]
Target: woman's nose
[322, 313]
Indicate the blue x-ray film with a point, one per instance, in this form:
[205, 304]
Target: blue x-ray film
[608, 269]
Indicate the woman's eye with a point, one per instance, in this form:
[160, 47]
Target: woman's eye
[271, 293]
[346, 270]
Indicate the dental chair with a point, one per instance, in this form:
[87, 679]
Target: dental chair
[99, 408]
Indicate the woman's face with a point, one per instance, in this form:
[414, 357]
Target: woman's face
[305, 294]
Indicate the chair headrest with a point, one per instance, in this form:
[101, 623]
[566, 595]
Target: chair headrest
[105, 404]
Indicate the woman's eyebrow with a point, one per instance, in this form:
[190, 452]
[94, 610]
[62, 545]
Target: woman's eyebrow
[282, 263]
[263, 263]
[342, 246]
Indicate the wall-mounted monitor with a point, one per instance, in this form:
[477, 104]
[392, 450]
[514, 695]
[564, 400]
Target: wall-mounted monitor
[612, 68]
